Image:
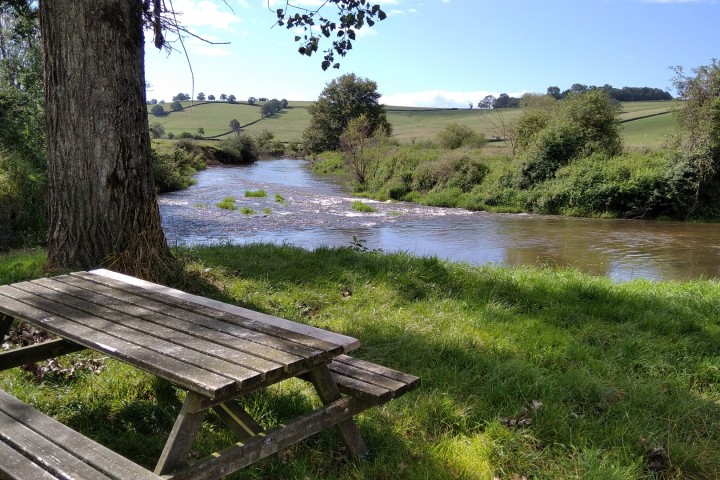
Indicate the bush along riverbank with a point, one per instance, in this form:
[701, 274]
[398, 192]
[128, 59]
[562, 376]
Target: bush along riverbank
[526, 372]
[562, 157]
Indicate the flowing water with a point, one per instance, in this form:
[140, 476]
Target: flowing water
[317, 212]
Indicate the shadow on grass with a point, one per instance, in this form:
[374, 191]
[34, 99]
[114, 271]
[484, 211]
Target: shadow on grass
[628, 368]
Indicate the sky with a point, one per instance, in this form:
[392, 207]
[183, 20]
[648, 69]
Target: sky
[440, 53]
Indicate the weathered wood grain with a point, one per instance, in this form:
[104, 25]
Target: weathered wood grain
[51, 446]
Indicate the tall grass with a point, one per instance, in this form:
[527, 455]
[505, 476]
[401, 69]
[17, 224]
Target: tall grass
[526, 372]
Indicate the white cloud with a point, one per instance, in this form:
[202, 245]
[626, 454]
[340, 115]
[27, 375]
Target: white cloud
[439, 98]
[204, 13]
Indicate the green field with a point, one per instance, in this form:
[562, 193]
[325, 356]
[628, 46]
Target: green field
[642, 129]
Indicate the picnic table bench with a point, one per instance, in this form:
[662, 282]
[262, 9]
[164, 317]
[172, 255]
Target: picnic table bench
[214, 351]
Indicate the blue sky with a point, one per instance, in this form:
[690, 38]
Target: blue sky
[443, 53]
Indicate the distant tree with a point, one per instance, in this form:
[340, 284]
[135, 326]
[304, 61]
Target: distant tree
[201, 131]
[200, 97]
[554, 92]
[252, 100]
[153, 101]
[157, 110]
[271, 108]
[176, 105]
[343, 99]
[487, 102]
[211, 98]
[235, 126]
[536, 100]
[506, 101]
[223, 97]
[471, 105]
[181, 97]
[284, 103]
[263, 99]
[231, 99]
[353, 141]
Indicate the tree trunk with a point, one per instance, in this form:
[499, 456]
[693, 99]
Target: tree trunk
[103, 207]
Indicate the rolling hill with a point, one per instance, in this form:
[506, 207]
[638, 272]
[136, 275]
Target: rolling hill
[645, 124]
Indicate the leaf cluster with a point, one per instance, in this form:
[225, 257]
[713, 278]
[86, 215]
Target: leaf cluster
[352, 16]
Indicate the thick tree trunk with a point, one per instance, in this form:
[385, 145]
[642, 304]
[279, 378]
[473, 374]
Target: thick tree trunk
[102, 203]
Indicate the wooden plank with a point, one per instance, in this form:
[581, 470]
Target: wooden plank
[151, 290]
[87, 451]
[363, 390]
[366, 376]
[378, 369]
[36, 353]
[14, 466]
[128, 315]
[175, 371]
[259, 357]
[72, 309]
[43, 452]
[265, 444]
[284, 336]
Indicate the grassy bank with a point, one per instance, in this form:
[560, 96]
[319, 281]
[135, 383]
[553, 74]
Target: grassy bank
[526, 372]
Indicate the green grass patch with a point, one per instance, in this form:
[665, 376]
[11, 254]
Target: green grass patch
[526, 372]
[267, 210]
[247, 211]
[360, 206]
[279, 198]
[256, 193]
[228, 203]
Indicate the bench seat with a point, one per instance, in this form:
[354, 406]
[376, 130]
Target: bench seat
[35, 446]
[369, 382]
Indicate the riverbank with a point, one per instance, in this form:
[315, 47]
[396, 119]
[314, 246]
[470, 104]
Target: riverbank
[526, 371]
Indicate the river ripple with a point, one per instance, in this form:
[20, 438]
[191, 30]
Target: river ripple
[316, 212]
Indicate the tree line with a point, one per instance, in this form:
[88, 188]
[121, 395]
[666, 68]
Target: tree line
[624, 94]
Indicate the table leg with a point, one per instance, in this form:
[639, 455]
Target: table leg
[182, 436]
[239, 421]
[328, 392]
[5, 324]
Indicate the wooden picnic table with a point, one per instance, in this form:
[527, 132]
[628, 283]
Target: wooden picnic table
[215, 351]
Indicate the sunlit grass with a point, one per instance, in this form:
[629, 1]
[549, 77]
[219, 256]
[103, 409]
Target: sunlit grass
[526, 372]
[228, 203]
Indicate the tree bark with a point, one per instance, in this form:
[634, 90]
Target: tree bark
[102, 202]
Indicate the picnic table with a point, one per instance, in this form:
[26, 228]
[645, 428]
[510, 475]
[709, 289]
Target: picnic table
[215, 351]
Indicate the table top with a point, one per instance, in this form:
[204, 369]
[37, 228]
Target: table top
[209, 347]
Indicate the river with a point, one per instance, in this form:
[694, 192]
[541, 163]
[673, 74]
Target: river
[314, 211]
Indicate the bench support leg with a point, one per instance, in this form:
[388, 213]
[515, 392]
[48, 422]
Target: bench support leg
[182, 436]
[328, 392]
[239, 421]
[5, 324]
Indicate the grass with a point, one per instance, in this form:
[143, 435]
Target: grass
[256, 193]
[360, 206]
[409, 124]
[247, 211]
[527, 372]
[228, 203]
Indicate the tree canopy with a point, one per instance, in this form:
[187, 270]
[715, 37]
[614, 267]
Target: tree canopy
[342, 100]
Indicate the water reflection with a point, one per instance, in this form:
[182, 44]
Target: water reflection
[317, 213]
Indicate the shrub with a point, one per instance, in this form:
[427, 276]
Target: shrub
[359, 206]
[176, 105]
[238, 149]
[228, 203]
[158, 110]
[22, 202]
[173, 168]
[456, 135]
[256, 193]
